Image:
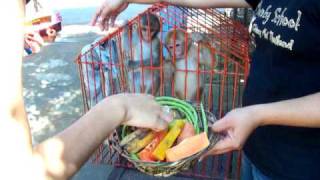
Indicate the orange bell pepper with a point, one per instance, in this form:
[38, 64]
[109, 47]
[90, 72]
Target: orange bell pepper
[146, 153]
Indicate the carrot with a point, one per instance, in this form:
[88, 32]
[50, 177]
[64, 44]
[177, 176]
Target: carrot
[146, 153]
[188, 147]
[187, 131]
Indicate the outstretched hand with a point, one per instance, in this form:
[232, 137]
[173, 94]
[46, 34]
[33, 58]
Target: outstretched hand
[237, 125]
[107, 13]
[142, 110]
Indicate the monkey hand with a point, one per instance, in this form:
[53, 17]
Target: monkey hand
[107, 13]
[197, 37]
[168, 70]
[133, 64]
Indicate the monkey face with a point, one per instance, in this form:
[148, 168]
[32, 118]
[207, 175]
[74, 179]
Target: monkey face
[176, 48]
[150, 26]
[148, 33]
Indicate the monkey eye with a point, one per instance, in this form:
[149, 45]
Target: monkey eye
[96, 67]
[173, 46]
[146, 29]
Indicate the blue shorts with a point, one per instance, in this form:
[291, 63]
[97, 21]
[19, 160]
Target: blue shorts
[249, 170]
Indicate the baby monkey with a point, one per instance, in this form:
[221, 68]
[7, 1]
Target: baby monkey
[188, 58]
[142, 49]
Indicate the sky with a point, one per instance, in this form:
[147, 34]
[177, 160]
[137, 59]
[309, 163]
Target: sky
[78, 11]
[66, 4]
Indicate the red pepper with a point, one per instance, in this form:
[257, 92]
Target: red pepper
[146, 153]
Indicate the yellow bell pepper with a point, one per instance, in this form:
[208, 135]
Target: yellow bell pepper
[137, 144]
[160, 152]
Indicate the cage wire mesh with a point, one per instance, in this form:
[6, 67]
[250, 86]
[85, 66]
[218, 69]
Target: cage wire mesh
[104, 70]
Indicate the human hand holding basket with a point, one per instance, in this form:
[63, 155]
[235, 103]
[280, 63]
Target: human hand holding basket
[196, 115]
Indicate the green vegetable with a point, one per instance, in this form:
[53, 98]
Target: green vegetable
[139, 133]
[137, 144]
[204, 119]
[134, 156]
[160, 152]
[182, 106]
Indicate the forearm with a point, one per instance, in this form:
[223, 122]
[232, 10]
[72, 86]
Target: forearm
[64, 154]
[198, 3]
[14, 129]
[12, 105]
[300, 112]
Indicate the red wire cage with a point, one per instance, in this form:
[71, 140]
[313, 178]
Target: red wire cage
[103, 71]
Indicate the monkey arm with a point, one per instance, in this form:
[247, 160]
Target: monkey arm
[136, 64]
[207, 54]
[125, 40]
[207, 57]
[168, 69]
[198, 3]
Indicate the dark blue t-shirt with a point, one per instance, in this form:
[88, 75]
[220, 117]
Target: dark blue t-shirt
[285, 65]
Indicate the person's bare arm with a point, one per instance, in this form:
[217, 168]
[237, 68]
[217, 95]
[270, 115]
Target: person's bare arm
[107, 13]
[62, 155]
[14, 129]
[299, 112]
[198, 3]
[239, 123]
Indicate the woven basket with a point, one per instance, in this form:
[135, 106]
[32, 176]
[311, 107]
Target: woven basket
[165, 169]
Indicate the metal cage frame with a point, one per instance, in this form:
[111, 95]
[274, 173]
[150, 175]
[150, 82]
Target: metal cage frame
[224, 80]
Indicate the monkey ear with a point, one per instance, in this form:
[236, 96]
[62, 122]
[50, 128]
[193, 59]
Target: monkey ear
[134, 26]
[167, 48]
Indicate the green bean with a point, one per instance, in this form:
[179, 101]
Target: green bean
[134, 156]
[180, 110]
[204, 119]
[189, 110]
[181, 102]
[123, 132]
[184, 109]
[176, 101]
[167, 98]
